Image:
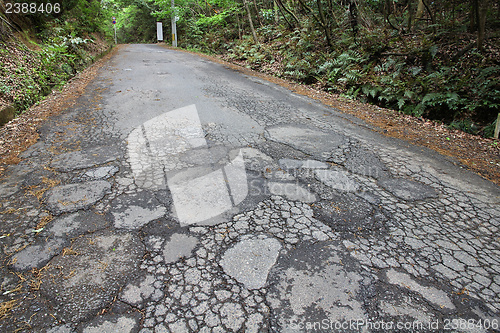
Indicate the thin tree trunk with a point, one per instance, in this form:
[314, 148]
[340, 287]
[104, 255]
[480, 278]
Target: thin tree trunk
[239, 25]
[474, 15]
[410, 13]
[275, 7]
[320, 20]
[257, 13]
[420, 10]
[482, 27]
[290, 25]
[325, 25]
[254, 34]
[289, 12]
[433, 20]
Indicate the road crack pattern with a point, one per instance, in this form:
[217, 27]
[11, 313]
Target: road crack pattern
[329, 224]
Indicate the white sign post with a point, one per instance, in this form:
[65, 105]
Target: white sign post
[159, 31]
[174, 25]
[114, 25]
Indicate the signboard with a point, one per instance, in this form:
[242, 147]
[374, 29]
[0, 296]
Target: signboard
[159, 31]
[114, 20]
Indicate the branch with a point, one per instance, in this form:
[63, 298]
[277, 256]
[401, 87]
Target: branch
[464, 51]
[282, 6]
[311, 12]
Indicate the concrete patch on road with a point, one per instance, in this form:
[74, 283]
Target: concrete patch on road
[407, 308]
[291, 191]
[309, 289]
[83, 159]
[307, 140]
[337, 179]
[73, 197]
[137, 293]
[255, 160]
[250, 260]
[431, 294]
[81, 283]
[179, 246]
[161, 154]
[287, 163]
[36, 256]
[153, 147]
[134, 211]
[201, 195]
[408, 190]
[100, 173]
[134, 217]
[128, 323]
[76, 224]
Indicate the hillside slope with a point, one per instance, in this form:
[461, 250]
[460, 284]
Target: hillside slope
[39, 53]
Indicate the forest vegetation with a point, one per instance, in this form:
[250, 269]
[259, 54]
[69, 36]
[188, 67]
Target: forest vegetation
[41, 49]
[434, 59]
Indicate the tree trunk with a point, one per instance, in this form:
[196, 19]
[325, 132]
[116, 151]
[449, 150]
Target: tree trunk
[353, 17]
[326, 26]
[275, 7]
[474, 15]
[289, 12]
[482, 27]
[420, 10]
[257, 13]
[429, 11]
[254, 34]
[239, 25]
[410, 15]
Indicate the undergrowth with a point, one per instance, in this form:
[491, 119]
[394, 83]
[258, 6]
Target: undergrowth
[35, 61]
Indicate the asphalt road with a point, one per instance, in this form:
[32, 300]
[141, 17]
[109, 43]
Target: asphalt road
[181, 196]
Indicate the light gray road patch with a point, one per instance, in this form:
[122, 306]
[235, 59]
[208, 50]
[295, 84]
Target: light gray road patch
[137, 293]
[432, 294]
[100, 173]
[135, 217]
[134, 211]
[75, 224]
[337, 179]
[36, 256]
[306, 139]
[62, 329]
[287, 163]
[128, 323]
[292, 191]
[178, 246]
[408, 189]
[77, 160]
[250, 260]
[73, 197]
[257, 161]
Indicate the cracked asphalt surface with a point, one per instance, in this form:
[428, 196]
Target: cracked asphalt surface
[180, 196]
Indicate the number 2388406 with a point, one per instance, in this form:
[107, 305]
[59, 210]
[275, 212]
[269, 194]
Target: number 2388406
[32, 8]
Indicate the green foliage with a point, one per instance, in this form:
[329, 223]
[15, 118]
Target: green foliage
[213, 21]
[465, 125]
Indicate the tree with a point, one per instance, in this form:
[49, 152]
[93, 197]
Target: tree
[249, 16]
